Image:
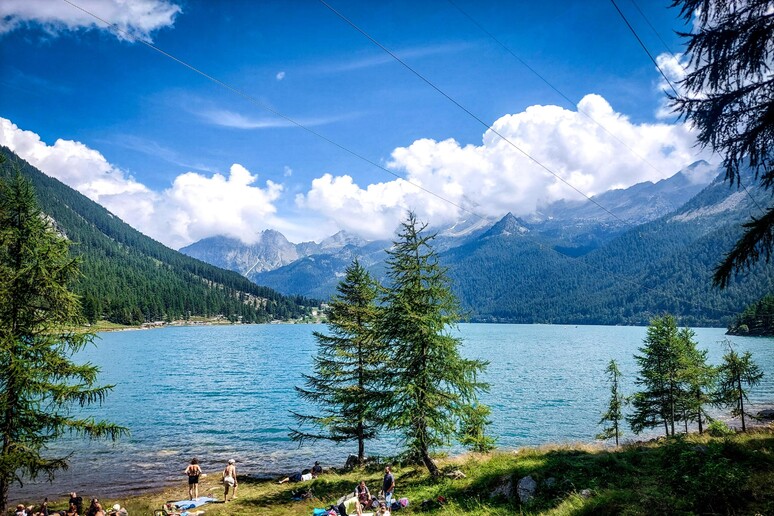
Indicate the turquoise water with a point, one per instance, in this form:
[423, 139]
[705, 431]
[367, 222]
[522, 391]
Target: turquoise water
[217, 392]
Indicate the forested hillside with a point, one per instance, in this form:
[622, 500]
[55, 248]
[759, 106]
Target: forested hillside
[129, 278]
[662, 266]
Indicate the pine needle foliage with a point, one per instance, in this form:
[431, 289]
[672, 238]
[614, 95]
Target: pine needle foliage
[349, 367]
[667, 362]
[432, 385]
[736, 375]
[728, 94]
[614, 415]
[39, 333]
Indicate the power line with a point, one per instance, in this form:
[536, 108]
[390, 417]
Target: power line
[644, 47]
[466, 110]
[254, 101]
[261, 105]
[658, 35]
[550, 85]
[753, 199]
[539, 245]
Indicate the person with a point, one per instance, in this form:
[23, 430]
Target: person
[77, 501]
[20, 510]
[362, 494]
[95, 509]
[388, 486]
[317, 469]
[230, 480]
[193, 471]
[72, 510]
[383, 510]
[118, 511]
[350, 506]
[301, 476]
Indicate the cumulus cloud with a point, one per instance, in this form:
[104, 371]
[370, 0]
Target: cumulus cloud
[280, 76]
[494, 178]
[195, 206]
[134, 19]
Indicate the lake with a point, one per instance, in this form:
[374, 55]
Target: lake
[220, 392]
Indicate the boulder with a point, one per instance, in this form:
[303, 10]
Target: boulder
[526, 489]
[766, 414]
[504, 489]
[586, 493]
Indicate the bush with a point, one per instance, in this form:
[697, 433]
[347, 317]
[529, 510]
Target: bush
[719, 429]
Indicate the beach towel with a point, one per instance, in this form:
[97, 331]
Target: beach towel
[190, 504]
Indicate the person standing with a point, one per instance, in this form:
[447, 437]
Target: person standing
[230, 480]
[388, 486]
[77, 501]
[193, 471]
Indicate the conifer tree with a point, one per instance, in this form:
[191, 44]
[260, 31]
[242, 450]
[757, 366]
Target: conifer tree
[40, 321]
[614, 415]
[348, 378]
[473, 424]
[432, 384]
[698, 380]
[661, 375]
[736, 375]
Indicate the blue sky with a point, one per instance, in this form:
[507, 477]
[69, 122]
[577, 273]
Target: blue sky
[182, 158]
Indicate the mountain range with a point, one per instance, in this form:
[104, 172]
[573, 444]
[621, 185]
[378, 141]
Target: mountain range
[129, 278]
[621, 257]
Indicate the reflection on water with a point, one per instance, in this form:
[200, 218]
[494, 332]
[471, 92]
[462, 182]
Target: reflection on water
[223, 392]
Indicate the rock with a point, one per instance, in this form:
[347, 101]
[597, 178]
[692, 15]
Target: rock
[352, 462]
[526, 489]
[586, 493]
[504, 489]
[456, 474]
[766, 414]
[700, 449]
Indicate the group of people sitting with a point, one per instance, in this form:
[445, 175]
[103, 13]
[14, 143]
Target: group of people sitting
[362, 499]
[74, 508]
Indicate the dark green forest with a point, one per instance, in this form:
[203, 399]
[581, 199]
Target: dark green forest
[756, 320]
[664, 266]
[129, 278]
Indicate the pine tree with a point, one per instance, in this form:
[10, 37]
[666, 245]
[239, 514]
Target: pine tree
[736, 375]
[661, 375]
[473, 424]
[728, 95]
[698, 380]
[349, 367]
[39, 332]
[432, 384]
[614, 415]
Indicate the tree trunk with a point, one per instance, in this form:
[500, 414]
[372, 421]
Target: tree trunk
[741, 401]
[430, 463]
[360, 444]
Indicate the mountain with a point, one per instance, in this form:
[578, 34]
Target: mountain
[129, 278]
[665, 265]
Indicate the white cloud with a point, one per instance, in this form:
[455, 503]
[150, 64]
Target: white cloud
[493, 178]
[195, 206]
[280, 76]
[225, 118]
[135, 18]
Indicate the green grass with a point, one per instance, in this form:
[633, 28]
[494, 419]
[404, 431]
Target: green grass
[687, 475]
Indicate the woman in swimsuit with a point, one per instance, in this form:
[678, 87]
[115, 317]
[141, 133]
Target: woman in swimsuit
[230, 480]
[193, 471]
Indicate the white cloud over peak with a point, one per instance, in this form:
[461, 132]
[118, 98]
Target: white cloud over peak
[195, 206]
[134, 19]
[494, 178]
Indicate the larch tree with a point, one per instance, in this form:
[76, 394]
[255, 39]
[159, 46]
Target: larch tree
[40, 330]
[728, 95]
[348, 379]
[661, 376]
[433, 386]
[736, 375]
[613, 417]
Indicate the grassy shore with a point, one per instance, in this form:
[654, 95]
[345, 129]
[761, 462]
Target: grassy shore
[689, 475]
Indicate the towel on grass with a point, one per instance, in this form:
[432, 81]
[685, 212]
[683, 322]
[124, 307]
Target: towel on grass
[190, 504]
